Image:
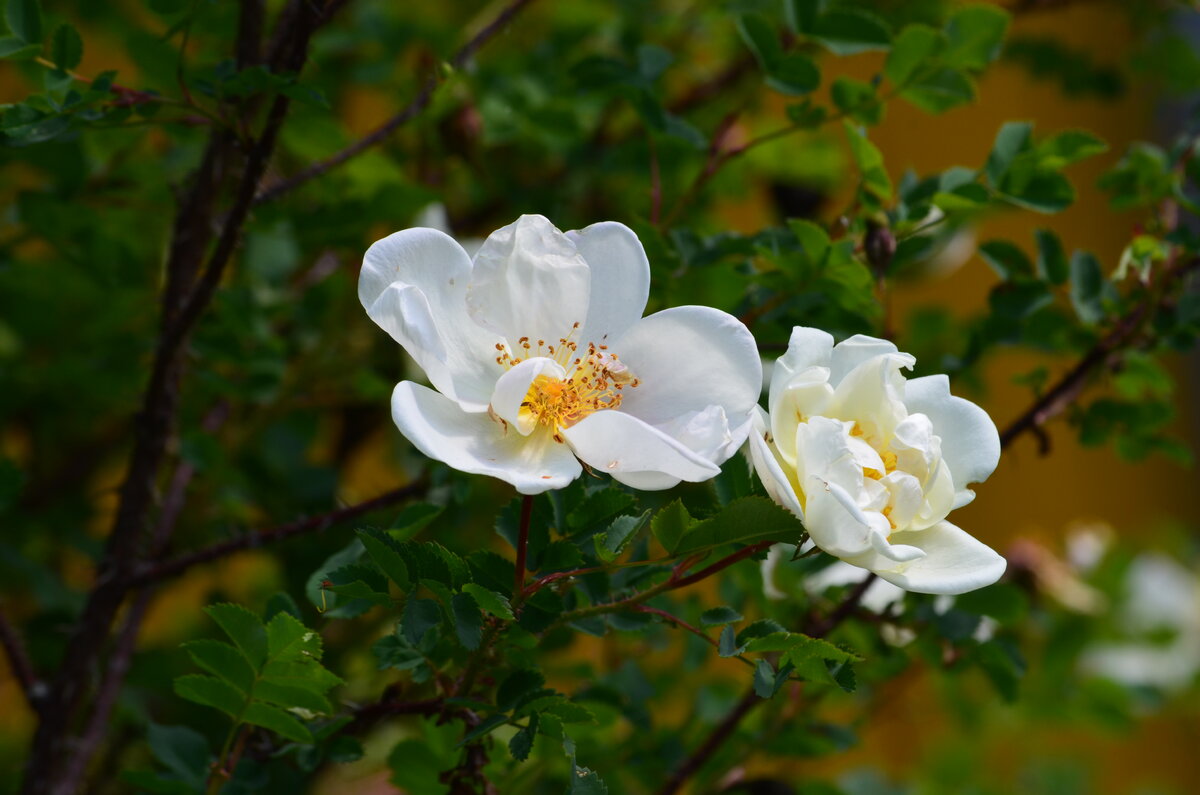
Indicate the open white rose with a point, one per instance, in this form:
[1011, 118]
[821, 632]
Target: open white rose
[540, 358]
[873, 463]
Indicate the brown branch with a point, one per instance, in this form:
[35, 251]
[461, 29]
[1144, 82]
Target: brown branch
[44, 772]
[1102, 355]
[19, 662]
[414, 108]
[158, 571]
[725, 729]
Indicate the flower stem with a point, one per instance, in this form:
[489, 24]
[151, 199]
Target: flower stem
[522, 543]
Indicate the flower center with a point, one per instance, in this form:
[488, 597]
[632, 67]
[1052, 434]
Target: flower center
[593, 382]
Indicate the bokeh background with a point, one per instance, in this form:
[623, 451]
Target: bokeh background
[1110, 544]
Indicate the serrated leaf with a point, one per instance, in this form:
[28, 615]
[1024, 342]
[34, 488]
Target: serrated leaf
[486, 726]
[516, 686]
[244, 628]
[670, 524]
[278, 721]
[522, 742]
[490, 601]
[748, 520]
[394, 652]
[66, 47]
[598, 508]
[612, 542]
[468, 621]
[386, 553]
[211, 692]
[24, 19]
[768, 681]
[719, 615]
[419, 616]
[583, 780]
[797, 647]
[311, 676]
[220, 658]
[727, 645]
[288, 696]
[288, 640]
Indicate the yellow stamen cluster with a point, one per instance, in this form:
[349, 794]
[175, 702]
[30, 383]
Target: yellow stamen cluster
[594, 381]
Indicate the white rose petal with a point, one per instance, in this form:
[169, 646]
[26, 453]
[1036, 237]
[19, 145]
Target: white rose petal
[873, 463]
[541, 358]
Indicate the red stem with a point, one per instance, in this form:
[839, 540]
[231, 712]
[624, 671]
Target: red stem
[522, 543]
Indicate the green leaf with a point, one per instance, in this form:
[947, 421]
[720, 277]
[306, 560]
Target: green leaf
[1004, 602]
[794, 74]
[975, 36]
[290, 696]
[797, 647]
[490, 601]
[762, 39]
[1003, 665]
[16, 49]
[309, 675]
[1087, 285]
[24, 19]
[1006, 258]
[802, 14]
[1051, 261]
[915, 45]
[396, 652]
[748, 520]
[768, 681]
[384, 550]
[598, 508]
[719, 615]
[940, 91]
[181, 750]
[727, 645]
[522, 742]
[846, 32]
[1012, 139]
[66, 47]
[222, 659]
[857, 100]
[486, 726]
[420, 616]
[278, 721]
[1047, 192]
[670, 524]
[211, 692]
[612, 542]
[244, 628]
[288, 640]
[468, 621]
[813, 239]
[870, 163]
[1069, 146]
[806, 116]
[517, 686]
[413, 519]
[583, 780]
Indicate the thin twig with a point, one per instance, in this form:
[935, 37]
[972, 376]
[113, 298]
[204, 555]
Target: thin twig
[414, 108]
[725, 729]
[18, 660]
[1101, 355]
[156, 572]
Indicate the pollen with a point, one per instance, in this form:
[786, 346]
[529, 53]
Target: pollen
[594, 381]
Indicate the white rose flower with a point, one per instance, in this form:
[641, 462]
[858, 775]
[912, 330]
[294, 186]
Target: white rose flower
[873, 463]
[541, 358]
